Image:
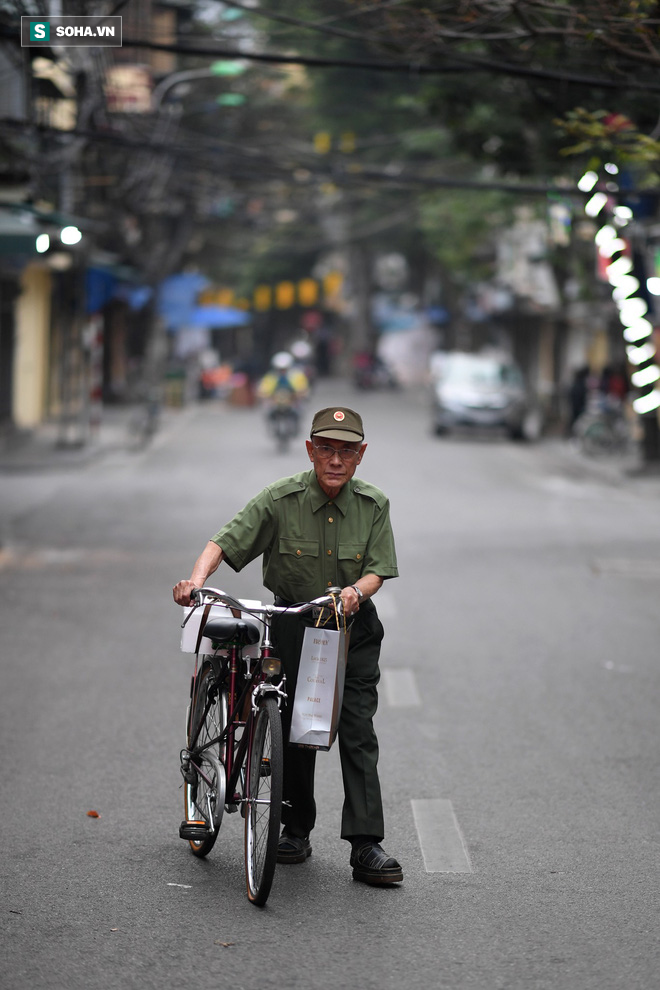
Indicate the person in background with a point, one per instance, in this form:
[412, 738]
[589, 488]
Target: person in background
[283, 389]
[578, 392]
[283, 377]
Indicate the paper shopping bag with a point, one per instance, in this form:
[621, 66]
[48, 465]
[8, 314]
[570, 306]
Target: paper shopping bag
[319, 688]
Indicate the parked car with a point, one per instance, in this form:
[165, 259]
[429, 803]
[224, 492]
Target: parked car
[484, 390]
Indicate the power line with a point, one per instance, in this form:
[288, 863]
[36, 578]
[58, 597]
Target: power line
[461, 64]
[295, 21]
[466, 63]
[206, 155]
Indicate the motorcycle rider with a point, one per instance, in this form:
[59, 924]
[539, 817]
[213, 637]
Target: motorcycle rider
[283, 388]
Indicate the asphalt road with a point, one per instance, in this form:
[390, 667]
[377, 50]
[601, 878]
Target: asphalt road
[518, 725]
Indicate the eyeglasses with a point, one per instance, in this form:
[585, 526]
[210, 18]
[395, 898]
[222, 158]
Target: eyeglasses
[325, 452]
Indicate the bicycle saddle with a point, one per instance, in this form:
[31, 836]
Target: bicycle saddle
[243, 632]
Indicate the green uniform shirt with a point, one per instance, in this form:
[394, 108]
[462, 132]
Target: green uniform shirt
[311, 542]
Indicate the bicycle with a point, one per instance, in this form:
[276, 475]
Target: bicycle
[234, 753]
[144, 420]
[603, 430]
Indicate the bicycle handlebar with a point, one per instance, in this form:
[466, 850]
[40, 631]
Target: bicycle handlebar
[222, 598]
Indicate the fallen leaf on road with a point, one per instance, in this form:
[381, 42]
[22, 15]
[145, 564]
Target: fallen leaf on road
[224, 944]
[93, 814]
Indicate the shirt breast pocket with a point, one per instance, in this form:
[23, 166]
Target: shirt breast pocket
[351, 561]
[299, 562]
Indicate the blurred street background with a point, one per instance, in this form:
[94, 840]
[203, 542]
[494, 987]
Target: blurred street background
[445, 215]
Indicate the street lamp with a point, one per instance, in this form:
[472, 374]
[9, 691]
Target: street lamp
[70, 235]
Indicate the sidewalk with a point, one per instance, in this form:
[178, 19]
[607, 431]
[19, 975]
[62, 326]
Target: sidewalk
[627, 470]
[49, 448]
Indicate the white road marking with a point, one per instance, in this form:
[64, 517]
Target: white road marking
[442, 844]
[567, 487]
[627, 567]
[401, 688]
[186, 886]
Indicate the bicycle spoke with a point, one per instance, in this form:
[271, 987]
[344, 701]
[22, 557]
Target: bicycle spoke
[263, 801]
[204, 789]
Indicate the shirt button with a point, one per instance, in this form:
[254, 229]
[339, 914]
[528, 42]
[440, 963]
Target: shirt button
[329, 584]
[298, 553]
[330, 519]
[358, 555]
[329, 552]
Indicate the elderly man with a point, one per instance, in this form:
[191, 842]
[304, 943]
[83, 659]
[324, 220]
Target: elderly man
[315, 530]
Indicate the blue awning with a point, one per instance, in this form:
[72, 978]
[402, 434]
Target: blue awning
[177, 298]
[218, 317]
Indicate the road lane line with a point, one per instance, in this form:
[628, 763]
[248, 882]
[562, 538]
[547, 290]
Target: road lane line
[401, 688]
[440, 839]
[627, 567]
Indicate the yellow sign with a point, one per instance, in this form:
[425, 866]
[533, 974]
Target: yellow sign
[285, 295]
[332, 283]
[216, 297]
[322, 142]
[308, 292]
[262, 298]
[347, 142]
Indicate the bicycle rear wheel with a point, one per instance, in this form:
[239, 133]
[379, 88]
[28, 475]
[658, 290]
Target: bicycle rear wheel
[263, 801]
[204, 791]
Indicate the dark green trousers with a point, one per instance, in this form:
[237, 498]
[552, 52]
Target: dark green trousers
[358, 746]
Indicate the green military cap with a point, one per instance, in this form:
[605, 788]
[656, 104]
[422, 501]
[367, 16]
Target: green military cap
[338, 423]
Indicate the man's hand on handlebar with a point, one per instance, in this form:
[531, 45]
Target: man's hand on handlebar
[182, 592]
[350, 600]
[357, 594]
[205, 565]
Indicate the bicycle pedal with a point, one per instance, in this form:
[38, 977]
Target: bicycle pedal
[195, 830]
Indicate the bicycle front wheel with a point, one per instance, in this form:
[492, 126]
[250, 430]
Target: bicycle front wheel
[597, 439]
[204, 791]
[263, 801]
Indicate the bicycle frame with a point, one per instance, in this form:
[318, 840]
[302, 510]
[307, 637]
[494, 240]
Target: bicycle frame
[256, 685]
